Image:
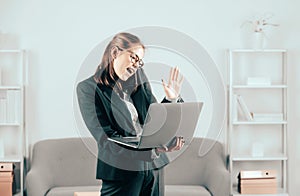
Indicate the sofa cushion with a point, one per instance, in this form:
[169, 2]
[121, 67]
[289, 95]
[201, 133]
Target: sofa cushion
[202, 164]
[69, 190]
[179, 190]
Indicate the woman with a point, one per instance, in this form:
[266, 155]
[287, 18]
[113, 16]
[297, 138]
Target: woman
[114, 101]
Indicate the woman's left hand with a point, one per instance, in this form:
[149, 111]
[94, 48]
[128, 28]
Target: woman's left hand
[173, 88]
[176, 144]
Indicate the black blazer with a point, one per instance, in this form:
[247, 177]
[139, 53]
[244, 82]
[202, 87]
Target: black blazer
[106, 114]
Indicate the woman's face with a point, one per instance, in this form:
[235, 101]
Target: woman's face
[127, 62]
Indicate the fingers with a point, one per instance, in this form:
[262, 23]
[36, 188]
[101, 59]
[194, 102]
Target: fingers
[180, 80]
[163, 83]
[178, 145]
[171, 76]
[176, 73]
[162, 149]
[175, 76]
[173, 86]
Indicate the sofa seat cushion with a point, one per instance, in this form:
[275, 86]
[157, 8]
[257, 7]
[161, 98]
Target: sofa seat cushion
[69, 190]
[179, 190]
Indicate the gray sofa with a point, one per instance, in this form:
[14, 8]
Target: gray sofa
[200, 170]
[59, 167]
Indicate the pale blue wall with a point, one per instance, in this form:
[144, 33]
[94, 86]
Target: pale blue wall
[59, 35]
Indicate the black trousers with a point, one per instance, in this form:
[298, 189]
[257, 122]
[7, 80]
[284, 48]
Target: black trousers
[145, 183]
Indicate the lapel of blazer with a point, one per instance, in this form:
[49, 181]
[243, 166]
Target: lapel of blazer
[116, 110]
[141, 103]
[142, 97]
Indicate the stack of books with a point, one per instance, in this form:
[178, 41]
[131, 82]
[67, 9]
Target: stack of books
[257, 182]
[267, 116]
[6, 179]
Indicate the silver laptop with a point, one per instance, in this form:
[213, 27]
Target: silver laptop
[163, 122]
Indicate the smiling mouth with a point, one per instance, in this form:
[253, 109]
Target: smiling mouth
[131, 70]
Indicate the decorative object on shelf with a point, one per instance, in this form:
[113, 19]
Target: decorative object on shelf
[6, 179]
[3, 111]
[268, 117]
[257, 149]
[1, 148]
[242, 105]
[257, 182]
[258, 40]
[259, 25]
[253, 81]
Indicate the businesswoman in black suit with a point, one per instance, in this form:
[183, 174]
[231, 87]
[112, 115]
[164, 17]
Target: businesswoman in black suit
[114, 101]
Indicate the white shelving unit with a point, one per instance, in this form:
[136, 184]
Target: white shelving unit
[13, 76]
[267, 98]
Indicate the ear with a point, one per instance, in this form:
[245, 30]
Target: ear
[114, 52]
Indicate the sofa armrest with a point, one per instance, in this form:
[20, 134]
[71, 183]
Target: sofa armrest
[218, 181]
[37, 183]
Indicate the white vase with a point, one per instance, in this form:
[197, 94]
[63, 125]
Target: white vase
[258, 40]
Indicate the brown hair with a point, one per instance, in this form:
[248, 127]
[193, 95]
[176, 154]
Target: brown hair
[105, 73]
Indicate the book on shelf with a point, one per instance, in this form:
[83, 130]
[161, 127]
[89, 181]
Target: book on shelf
[6, 174]
[258, 81]
[6, 167]
[271, 189]
[243, 107]
[257, 149]
[3, 110]
[13, 106]
[257, 174]
[6, 183]
[2, 153]
[267, 116]
[257, 182]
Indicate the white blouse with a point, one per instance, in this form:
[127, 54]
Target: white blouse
[134, 115]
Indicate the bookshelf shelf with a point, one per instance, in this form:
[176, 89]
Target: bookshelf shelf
[280, 192]
[9, 124]
[259, 123]
[262, 158]
[11, 51]
[10, 87]
[257, 94]
[10, 159]
[259, 86]
[258, 50]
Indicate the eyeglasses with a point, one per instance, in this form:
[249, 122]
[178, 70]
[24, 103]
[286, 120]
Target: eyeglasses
[134, 58]
[137, 62]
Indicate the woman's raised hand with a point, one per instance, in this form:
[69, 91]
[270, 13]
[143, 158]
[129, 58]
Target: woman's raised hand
[173, 87]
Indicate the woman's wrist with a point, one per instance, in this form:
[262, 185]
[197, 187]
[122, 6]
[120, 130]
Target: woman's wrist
[173, 100]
